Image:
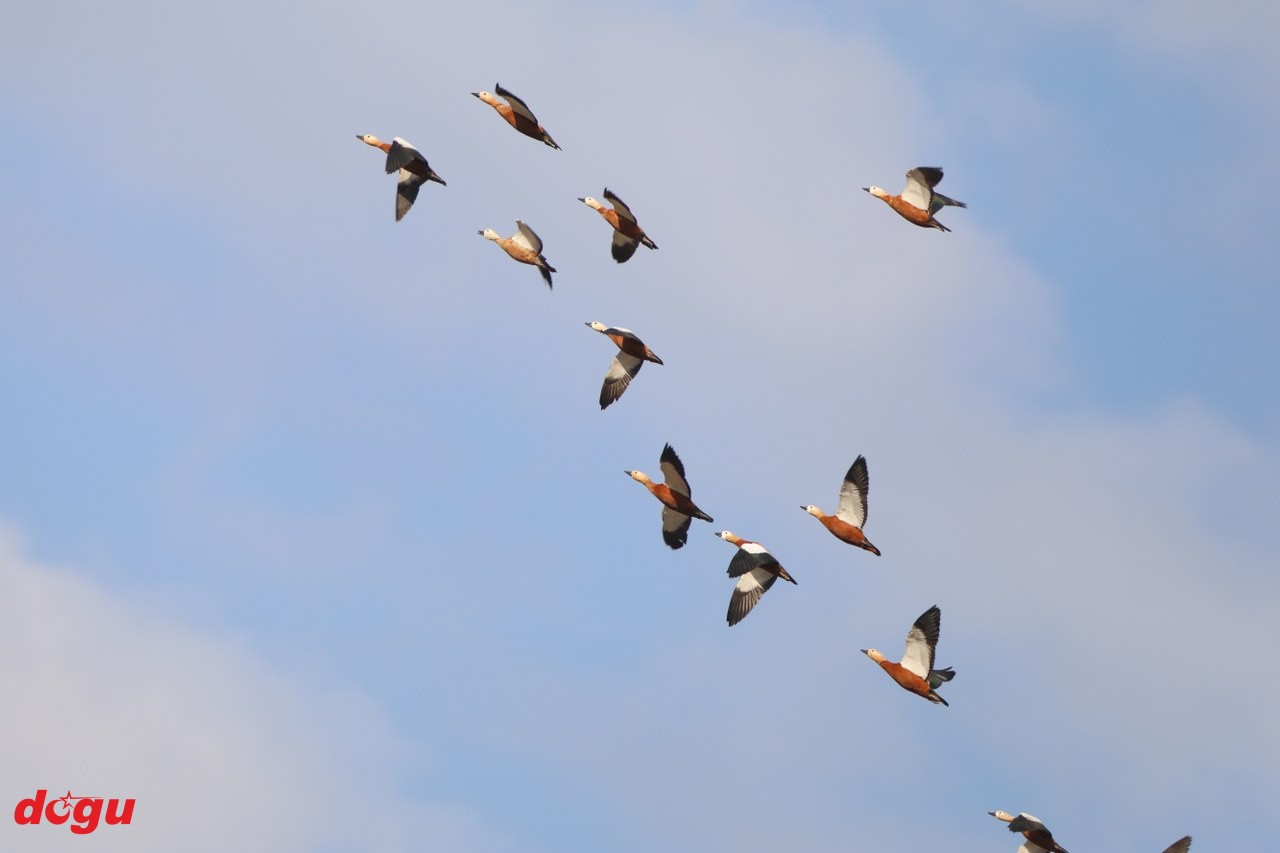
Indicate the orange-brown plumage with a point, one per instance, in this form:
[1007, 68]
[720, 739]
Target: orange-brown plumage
[851, 514]
[907, 680]
[679, 509]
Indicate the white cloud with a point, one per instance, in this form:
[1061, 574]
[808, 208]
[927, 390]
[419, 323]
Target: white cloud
[220, 751]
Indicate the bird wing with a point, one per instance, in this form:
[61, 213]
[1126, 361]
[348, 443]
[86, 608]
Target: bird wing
[921, 640]
[747, 592]
[673, 472]
[623, 247]
[406, 192]
[749, 557]
[940, 201]
[1023, 822]
[620, 206]
[675, 527]
[1182, 845]
[525, 237]
[623, 332]
[621, 371]
[1031, 847]
[518, 106]
[853, 494]
[400, 154]
[920, 183]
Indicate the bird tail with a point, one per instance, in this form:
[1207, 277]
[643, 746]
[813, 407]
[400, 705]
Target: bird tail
[948, 202]
[938, 677]
[546, 274]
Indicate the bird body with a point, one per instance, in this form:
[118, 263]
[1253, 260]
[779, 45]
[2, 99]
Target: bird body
[632, 354]
[524, 246]
[756, 570]
[918, 202]
[1037, 834]
[851, 514]
[414, 169]
[678, 510]
[915, 672]
[517, 114]
[627, 233]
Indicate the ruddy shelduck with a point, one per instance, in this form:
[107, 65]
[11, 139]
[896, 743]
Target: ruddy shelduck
[678, 511]
[916, 672]
[627, 233]
[517, 114]
[1182, 845]
[851, 514]
[918, 202]
[413, 167]
[524, 246]
[756, 570]
[1039, 838]
[632, 354]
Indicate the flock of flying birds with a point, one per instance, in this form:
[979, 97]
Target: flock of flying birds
[754, 567]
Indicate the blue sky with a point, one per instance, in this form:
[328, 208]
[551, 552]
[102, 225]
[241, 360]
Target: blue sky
[310, 520]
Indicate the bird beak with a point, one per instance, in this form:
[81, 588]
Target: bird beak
[583, 200]
[477, 94]
[866, 189]
[481, 233]
[864, 651]
[803, 507]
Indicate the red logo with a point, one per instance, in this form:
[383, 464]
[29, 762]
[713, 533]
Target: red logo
[83, 812]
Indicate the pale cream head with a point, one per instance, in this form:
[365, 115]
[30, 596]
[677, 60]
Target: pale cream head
[726, 535]
[597, 325]
[813, 510]
[490, 234]
[874, 655]
[488, 98]
[370, 139]
[999, 815]
[592, 203]
[877, 192]
[639, 476]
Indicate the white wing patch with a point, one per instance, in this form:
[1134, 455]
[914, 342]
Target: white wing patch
[747, 592]
[525, 237]
[620, 207]
[917, 192]
[623, 247]
[518, 106]
[918, 657]
[674, 481]
[853, 505]
[622, 370]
